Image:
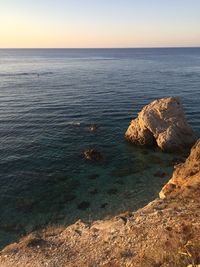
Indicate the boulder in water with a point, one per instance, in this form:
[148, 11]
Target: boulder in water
[92, 154]
[162, 122]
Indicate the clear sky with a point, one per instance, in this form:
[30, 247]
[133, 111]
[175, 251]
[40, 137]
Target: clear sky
[99, 23]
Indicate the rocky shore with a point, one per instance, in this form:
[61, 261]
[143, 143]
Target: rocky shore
[164, 233]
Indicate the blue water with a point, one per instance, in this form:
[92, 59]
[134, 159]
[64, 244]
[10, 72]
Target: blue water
[49, 98]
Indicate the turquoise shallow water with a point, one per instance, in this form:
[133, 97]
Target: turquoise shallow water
[49, 98]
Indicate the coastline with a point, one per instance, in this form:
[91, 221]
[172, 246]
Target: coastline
[166, 232]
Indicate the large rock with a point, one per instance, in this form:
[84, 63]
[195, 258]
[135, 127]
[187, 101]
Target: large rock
[185, 180]
[162, 122]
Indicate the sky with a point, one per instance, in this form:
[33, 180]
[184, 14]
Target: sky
[99, 23]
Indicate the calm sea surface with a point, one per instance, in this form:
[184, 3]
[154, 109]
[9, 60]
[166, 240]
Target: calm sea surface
[48, 100]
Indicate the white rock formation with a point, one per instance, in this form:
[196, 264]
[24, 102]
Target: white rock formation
[162, 122]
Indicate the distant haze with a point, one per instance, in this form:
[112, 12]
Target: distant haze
[99, 23]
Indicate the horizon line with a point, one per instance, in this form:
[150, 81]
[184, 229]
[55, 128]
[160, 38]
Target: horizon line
[137, 47]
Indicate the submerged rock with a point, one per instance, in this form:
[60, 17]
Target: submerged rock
[93, 128]
[25, 204]
[84, 205]
[68, 197]
[126, 170]
[103, 205]
[93, 191]
[155, 159]
[9, 227]
[159, 174]
[162, 122]
[92, 154]
[93, 176]
[119, 182]
[112, 191]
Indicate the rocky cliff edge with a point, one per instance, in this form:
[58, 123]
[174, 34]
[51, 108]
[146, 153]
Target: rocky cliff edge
[164, 233]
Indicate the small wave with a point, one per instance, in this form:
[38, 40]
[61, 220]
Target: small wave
[96, 58]
[102, 58]
[190, 74]
[74, 123]
[25, 74]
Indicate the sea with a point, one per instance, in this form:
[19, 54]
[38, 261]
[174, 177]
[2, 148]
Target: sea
[50, 98]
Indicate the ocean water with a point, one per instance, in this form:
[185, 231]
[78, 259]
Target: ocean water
[48, 100]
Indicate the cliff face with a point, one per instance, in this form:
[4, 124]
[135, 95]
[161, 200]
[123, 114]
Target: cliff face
[165, 233]
[162, 122]
[186, 177]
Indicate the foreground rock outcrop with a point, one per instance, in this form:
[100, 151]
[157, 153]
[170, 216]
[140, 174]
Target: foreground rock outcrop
[186, 177]
[165, 233]
[162, 122]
